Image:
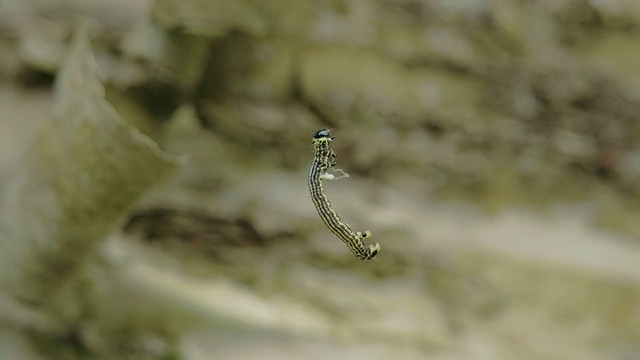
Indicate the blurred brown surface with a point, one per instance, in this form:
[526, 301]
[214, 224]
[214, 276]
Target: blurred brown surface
[492, 147]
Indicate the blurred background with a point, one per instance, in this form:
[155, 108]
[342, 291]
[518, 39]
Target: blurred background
[492, 147]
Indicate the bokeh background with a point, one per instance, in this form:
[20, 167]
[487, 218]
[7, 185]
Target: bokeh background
[153, 164]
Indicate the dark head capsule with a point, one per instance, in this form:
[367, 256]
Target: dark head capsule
[322, 134]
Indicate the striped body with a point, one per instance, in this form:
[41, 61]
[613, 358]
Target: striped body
[323, 161]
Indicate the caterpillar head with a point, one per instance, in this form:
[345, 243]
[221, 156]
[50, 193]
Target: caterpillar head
[323, 134]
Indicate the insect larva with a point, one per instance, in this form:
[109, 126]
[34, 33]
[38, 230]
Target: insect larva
[323, 161]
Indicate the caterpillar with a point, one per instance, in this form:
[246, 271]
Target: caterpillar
[324, 160]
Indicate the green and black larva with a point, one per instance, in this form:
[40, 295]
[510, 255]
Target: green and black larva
[323, 161]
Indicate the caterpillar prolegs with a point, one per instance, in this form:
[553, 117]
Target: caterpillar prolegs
[324, 161]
